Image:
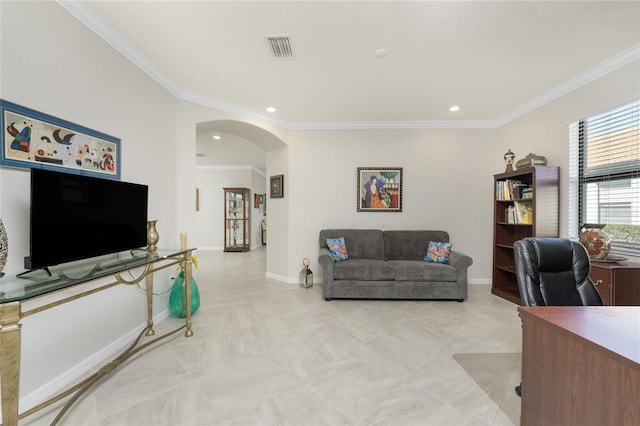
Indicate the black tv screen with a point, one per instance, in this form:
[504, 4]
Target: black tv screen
[76, 217]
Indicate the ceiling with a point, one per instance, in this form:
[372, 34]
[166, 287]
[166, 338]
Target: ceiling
[496, 60]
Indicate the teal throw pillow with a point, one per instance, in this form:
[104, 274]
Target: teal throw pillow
[438, 252]
[337, 248]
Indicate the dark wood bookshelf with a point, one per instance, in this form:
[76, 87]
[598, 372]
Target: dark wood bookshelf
[544, 203]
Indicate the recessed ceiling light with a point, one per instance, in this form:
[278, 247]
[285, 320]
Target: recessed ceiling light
[454, 108]
[381, 53]
[217, 137]
[271, 109]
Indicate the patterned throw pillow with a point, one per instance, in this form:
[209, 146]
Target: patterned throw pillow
[338, 249]
[438, 252]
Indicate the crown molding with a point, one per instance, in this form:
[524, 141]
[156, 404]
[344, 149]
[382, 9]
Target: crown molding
[604, 68]
[81, 11]
[364, 125]
[196, 98]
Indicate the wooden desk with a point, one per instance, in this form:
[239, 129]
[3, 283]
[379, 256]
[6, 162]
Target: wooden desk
[15, 292]
[580, 365]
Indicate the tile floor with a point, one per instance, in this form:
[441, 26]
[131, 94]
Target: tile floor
[269, 353]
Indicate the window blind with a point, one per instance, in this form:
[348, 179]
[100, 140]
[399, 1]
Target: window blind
[604, 175]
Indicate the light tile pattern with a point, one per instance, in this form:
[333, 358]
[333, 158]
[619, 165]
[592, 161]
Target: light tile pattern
[269, 353]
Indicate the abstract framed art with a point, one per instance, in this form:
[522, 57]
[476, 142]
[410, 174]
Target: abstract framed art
[32, 139]
[379, 189]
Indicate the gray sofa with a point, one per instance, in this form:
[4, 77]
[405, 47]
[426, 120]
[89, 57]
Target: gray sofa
[391, 265]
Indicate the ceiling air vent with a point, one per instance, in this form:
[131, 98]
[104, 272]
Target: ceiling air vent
[280, 46]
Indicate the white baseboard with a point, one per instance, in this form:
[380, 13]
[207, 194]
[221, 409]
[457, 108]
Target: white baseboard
[281, 278]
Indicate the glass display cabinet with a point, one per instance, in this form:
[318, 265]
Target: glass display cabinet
[236, 219]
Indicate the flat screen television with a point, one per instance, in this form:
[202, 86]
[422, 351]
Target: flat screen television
[76, 217]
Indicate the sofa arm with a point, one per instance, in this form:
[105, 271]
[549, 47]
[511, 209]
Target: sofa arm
[459, 260]
[326, 261]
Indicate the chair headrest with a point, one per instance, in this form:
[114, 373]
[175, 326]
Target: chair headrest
[553, 254]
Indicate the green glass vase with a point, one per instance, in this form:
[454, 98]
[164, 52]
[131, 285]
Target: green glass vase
[178, 297]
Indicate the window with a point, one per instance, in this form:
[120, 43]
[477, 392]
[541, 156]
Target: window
[604, 175]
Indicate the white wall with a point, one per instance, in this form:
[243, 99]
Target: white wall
[259, 186]
[279, 240]
[448, 181]
[52, 63]
[210, 219]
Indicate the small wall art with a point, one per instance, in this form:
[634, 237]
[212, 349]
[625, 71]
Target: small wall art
[277, 186]
[258, 200]
[379, 189]
[32, 139]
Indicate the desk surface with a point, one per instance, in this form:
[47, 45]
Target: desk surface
[580, 365]
[38, 283]
[615, 328]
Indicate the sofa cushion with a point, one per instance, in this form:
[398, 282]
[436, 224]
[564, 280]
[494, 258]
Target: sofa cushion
[363, 269]
[361, 243]
[412, 270]
[410, 245]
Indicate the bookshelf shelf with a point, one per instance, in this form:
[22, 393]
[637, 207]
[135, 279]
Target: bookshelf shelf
[510, 269]
[512, 222]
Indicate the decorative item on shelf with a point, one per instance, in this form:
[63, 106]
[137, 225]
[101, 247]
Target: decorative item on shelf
[527, 193]
[4, 247]
[509, 157]
[306, 276]
[152, 235]
[178, 296]
[531, 160]
[596, 241]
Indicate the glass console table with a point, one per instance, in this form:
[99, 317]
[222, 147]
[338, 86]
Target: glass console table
[17, 294]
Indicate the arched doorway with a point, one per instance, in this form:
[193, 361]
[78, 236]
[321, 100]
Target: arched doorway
[230, 153]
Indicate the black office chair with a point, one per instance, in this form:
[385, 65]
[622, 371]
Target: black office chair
[554, 272]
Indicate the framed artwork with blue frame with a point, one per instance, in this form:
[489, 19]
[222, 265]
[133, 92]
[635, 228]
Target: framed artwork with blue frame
[32, 139]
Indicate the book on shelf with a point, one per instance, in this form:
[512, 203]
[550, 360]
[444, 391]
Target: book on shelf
[508, 189]
[519, 213]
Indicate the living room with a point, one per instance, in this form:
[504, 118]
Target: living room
[53, 63]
